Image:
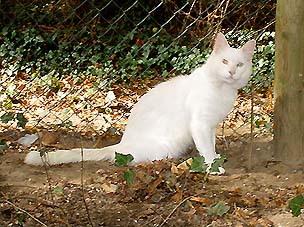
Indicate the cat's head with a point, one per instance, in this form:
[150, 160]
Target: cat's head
[231, 65]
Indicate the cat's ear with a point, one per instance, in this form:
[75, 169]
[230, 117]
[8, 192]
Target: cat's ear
[220, 43]
[248, 49]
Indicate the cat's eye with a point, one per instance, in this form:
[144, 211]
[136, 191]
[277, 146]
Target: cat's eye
[225, 61]
[240, 64]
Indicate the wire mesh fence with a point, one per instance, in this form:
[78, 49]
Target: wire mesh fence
[74, 68]
[81, 65]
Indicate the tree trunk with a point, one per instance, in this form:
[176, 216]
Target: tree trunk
[289, 82]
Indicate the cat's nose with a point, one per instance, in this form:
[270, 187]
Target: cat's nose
[231, 72]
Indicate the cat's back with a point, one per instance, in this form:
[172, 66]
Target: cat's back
[165, 94]
[160, 113]
[171, 96]
[163, 103]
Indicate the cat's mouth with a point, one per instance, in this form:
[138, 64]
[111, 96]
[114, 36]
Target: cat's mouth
[230, 79]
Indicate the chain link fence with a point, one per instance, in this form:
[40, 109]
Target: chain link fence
[81, 65]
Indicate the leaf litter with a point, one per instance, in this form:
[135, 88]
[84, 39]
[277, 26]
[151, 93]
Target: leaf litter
[156, 193]
[165, 193]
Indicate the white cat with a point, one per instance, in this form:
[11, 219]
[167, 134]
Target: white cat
[176, 114]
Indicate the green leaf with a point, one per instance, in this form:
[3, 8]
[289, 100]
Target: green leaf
[7, 117]
[128, 176]
[198, 165]
[3, 145]
[9, 104]
[123, 159]
[21, 120]
[108, 110]
[2, 142]
[21, 218]
[219, 209]
[217, 163]
[296, 204]
[58, 190]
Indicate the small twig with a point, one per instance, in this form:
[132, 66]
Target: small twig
[24, 211]
[251, 129]
[82, 185]
[152, 220]
[48, 181]
[43, 155]
[223, 136]
[175, 208]
[19, 186]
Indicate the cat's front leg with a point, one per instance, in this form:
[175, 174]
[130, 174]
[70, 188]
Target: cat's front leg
[204, 139]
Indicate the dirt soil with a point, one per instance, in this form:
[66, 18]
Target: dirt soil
[159, 195]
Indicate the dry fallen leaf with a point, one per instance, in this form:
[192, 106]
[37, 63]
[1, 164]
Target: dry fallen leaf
[240, 212]
[152, 187]
[177, 196]
[299, 189]
[201, 200]
[174, 169]
[148, 212]
[184, 165]
[109, 188]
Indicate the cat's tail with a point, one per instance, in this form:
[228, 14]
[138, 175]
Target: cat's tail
[73, 155]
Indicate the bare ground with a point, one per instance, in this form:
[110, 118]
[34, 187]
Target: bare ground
[56, 196]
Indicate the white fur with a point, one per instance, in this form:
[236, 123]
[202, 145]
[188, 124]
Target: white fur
[176, 114]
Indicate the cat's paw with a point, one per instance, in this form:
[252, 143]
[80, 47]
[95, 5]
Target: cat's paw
[210, 158]
[220, 171]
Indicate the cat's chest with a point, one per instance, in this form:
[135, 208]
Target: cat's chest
[222, 101]
[225, 97]
[212, 103]
[213, 96]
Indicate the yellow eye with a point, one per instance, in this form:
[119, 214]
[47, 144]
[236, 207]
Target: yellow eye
[225, 61]
[240, 64]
